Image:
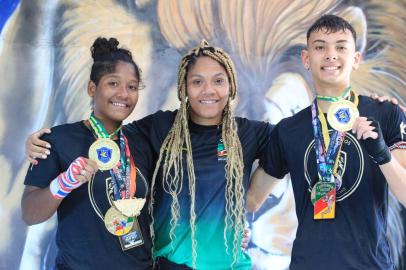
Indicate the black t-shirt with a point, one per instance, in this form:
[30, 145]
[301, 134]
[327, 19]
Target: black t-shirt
[356, 238]
[209, 168]
[82, 238]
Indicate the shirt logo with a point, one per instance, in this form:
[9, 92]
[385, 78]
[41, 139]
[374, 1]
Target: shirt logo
[402, 130]
[221, 151]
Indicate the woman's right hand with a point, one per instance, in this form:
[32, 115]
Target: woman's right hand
[37, 148]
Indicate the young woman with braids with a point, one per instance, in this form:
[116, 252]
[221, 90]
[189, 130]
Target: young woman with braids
[205, 155]
[92, 234]
[203, 168]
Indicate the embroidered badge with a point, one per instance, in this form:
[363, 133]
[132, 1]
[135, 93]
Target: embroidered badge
[221, 151]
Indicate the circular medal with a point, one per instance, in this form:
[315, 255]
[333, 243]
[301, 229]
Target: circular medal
[320, 189]
[105, 152]
[116, 223]
[342, 114]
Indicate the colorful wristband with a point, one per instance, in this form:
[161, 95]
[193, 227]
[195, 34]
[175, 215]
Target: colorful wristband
[67, 181]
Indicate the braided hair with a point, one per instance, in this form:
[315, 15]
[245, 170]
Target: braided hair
[178, 139]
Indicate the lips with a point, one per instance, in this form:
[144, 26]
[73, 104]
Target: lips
[208, 101]
[119, 104]
[330, 68]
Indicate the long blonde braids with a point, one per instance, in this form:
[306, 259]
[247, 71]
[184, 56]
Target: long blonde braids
[178, 139]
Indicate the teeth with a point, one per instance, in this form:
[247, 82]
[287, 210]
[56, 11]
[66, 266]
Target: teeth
[118, 104]
[208, 101]
[330, 68]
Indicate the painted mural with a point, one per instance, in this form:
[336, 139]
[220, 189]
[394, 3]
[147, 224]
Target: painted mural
[44, 60]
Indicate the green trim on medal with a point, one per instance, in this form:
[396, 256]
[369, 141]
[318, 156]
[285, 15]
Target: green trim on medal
[342, 114]
[335, 99]
[105, 152]
[320, 189]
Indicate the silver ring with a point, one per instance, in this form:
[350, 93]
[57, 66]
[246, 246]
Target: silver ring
[83, 172]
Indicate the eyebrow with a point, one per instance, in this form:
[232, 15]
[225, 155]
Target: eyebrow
[323, 41]
[199, 75]
[112, 75]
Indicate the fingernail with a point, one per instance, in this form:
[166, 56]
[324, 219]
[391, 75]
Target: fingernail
[48, 146]
[44, 156]
[47, 152]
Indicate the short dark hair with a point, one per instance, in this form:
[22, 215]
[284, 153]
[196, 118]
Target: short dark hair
[332, 24]
[106, 55]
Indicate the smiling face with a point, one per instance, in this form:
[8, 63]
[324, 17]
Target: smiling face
[331, 56]
[208, 91]
[115, 96]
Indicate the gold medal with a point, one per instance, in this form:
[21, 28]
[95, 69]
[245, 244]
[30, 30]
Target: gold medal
[323, 197]
[105, 152]
[342, 114]
[116, 223]
[130, 207]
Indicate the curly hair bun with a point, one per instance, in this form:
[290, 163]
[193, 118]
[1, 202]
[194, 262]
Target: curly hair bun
[103, 47]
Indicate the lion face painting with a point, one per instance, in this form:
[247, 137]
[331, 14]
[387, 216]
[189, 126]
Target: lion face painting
[44, 47]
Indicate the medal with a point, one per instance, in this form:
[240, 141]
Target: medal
[117, 223]
[342, 114]
[105, 152]
[130, 207]
[323, 197]
[120, 219]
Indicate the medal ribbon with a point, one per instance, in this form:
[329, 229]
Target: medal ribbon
[124, 174]
[99, 129]
[327, 149]
[345, 95]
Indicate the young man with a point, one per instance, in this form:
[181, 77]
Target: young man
[340, 188]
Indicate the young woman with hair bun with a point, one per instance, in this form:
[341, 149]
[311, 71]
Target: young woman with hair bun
[102, 223]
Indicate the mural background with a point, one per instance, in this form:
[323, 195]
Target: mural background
[44, 70]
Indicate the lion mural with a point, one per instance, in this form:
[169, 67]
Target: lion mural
[44, 49]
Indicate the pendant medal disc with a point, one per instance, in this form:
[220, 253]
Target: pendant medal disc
[105, 152]
[116, 223]
[342, 114]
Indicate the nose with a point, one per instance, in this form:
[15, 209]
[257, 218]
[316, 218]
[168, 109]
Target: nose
[122, 91]
[331, 54]
[209, 88]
